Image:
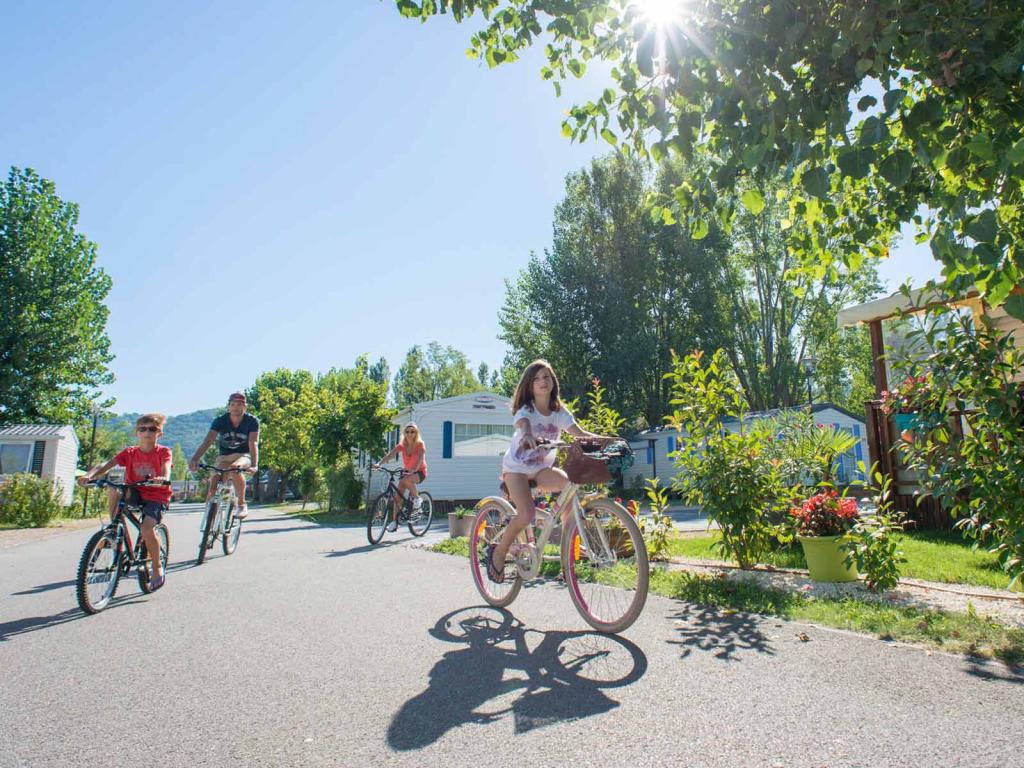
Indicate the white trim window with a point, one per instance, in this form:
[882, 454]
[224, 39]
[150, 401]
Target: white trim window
[482, 439]
[15, 457]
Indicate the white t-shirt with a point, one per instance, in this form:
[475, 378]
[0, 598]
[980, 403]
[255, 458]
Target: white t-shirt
[532, 460]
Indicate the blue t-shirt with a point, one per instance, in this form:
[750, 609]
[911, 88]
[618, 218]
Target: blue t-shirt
[232, 439]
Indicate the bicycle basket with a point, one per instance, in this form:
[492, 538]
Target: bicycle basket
[584, 470]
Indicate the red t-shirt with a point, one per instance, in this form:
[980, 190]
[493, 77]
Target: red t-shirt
[139, 465]
[415, 460]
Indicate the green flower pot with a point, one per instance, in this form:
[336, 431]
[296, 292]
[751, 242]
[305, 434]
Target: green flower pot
[825, 559]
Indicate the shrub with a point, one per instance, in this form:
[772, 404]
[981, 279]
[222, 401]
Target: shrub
[346, 488]
[730, 474]
[872, 545]
[977, 473]
[29, 501]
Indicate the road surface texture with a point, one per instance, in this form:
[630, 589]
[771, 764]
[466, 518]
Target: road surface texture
[308, 647]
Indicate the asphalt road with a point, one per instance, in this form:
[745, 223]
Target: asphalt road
[308, 647]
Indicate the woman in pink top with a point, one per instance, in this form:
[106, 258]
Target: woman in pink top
[414, 459]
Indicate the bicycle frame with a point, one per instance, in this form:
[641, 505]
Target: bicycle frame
[224, 495]
[548, 518]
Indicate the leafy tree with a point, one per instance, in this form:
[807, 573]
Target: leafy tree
[432, 374]
[179, 463]
[616, 292]
[776, 315]
[286, 403]
[353, 414]
[54, 348]
[765, 88]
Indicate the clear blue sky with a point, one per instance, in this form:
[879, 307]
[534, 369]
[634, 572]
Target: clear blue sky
[288, 183]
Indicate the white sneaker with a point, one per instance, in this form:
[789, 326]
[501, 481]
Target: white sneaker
[417, 504]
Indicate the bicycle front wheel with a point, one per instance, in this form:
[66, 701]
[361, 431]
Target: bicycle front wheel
[606, 567]
[164, 539]
[98, 571]
[205, 540]
[419, 520]
[233, 530]
[377, 518]
[488, 526]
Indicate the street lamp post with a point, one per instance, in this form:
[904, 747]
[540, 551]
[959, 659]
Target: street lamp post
[92, 448]
[810, 366]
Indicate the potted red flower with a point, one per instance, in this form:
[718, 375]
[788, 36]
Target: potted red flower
[821, 522]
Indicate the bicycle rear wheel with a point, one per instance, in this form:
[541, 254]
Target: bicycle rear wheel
[164, 540]
[377, 518]
[205, 542]
[233, 526]
[98, 571]
[419, 520]
[606, 568]
[488, 526]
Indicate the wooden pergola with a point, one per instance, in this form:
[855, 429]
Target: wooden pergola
[882, 433]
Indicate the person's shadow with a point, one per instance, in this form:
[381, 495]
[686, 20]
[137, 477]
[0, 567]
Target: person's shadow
[565, 674]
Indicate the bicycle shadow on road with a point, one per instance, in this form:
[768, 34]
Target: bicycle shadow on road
[10, 629]
[561, 677]
[724, 633]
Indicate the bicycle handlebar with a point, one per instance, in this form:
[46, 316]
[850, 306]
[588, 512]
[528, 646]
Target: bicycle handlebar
[225, 471]
[613, 449]
[100, 482]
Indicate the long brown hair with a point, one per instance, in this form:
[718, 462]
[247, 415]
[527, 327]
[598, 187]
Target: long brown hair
[524, 390]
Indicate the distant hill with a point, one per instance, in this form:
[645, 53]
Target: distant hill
[189, 429]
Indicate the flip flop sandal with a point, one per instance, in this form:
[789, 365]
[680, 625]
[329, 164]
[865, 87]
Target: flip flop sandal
[156, 583]
[495, 574]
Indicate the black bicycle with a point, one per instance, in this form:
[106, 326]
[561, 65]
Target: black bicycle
[110, 553]
[382, 508]
[219, 520]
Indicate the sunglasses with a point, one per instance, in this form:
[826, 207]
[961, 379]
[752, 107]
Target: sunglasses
[147, 429]
[410, 431]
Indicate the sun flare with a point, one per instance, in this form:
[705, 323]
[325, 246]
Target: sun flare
[661, 13]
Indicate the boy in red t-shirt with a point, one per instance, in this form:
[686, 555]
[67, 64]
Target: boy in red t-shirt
[145, 461]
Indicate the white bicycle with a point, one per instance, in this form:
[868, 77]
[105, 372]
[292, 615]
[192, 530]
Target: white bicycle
[603, 554]
[219, 520]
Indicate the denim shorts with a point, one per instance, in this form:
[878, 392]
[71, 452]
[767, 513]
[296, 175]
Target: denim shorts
[153, 509]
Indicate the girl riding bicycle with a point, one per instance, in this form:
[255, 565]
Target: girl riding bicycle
[414, 459]
[539, 414]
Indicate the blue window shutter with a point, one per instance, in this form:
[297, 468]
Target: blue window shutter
[650, 451]
[858, 449]
[38, 451]
[671, 443]
[446, 448]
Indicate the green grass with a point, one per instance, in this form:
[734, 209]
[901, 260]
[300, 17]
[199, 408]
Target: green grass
[964, 633]
[941, 556]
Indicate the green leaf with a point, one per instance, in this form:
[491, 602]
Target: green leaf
[872, 131]
[815, 182]
[1015, 306]
[698, 229]
[753, 155]
[855, 162]
[984, 227]
[1015, 154]
[866, 103]
[893, 99]
[864, 66]
[981, 146]
[897, 167]
[753, 201]
[610, 137]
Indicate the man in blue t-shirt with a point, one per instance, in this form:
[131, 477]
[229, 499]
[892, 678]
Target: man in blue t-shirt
[238, 441]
